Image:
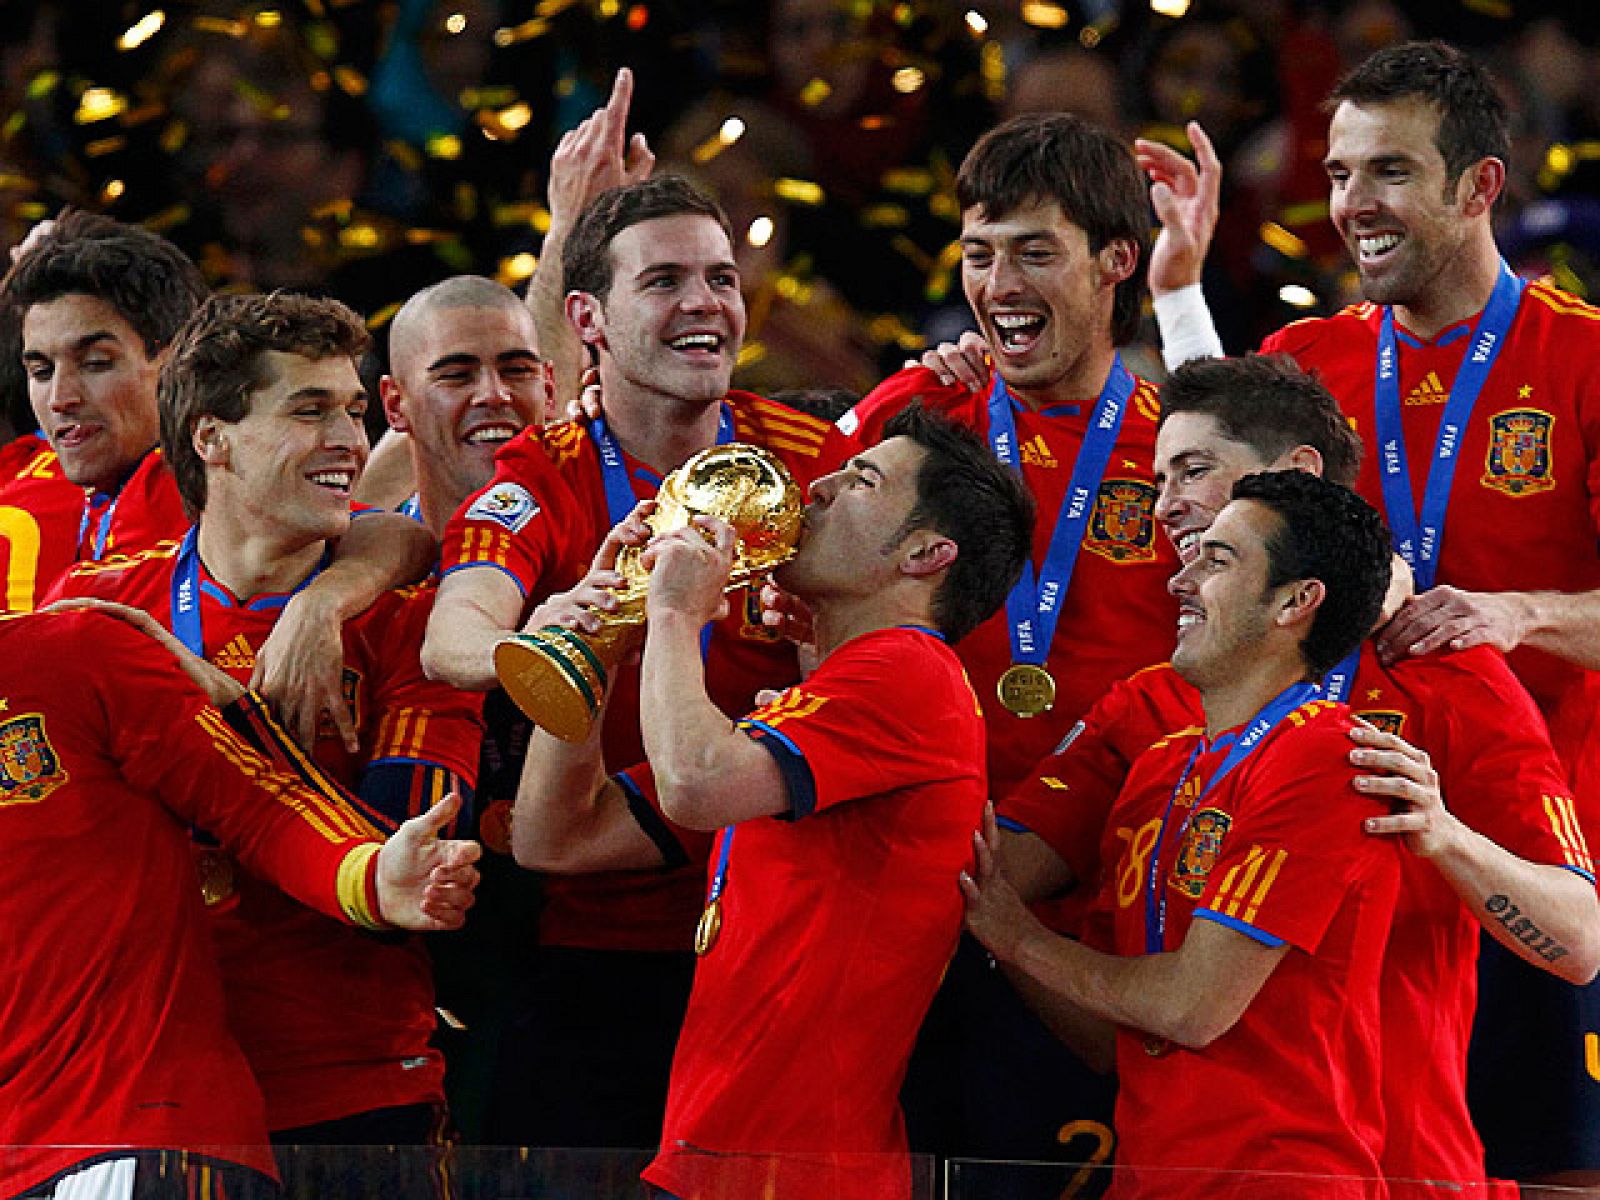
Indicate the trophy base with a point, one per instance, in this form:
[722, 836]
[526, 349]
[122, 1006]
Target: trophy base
[554, 677]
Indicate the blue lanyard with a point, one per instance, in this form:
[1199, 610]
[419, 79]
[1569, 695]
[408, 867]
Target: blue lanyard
[97, 547]
[1263, 723]
[1336, 684]
[1417, 537]
[719, 878]
[186, 621]
[620, 499]
[1034, 605]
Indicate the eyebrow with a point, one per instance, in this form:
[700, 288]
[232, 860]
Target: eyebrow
[1218, 544]
[1028, 235]
[79, 344]
[863, 464]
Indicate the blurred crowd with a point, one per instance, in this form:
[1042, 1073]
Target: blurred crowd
[364, 148]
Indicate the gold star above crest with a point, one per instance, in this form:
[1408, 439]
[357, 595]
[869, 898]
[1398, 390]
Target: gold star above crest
[1374, 693]
[1129, 465]
[1525, 391]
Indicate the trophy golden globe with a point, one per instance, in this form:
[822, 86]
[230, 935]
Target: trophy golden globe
[558, 676]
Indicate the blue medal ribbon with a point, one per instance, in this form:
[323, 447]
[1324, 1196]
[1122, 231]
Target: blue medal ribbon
[1417, 537]
[1034, 604]
[620, 499]
[1263, 723]
[1336, 684]
[106, 504]
[187, 625]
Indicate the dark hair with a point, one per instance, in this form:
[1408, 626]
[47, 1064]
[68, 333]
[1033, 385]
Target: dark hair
[217, 360]
[586, 255]
[824, 402]
[149, 282]
[968, 495]
[1268, 403]
[1473, 121]
[1038, 157]
[1328, 533]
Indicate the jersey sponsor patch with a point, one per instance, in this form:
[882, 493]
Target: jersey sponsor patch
[1122, 525]
[1519, 452]
[30, 769]
[507, 504]
[1202, 845]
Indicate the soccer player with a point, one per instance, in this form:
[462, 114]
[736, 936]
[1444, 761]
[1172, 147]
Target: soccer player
[1473, 391]
[1054, 218]
[828, 918]
[465, 377]
[1531, 885]
[262, 424]
[653, 293]
[115, 1042]
[1245, 917]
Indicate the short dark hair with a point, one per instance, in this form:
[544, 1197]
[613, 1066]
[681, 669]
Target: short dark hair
[1473, 121]
[1328, 533]
[965, 493]
[217, 360]
[151, 284]
[585, 257]
[1089, 173]
[1268, 403]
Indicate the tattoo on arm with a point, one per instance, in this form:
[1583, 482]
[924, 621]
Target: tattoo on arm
[1501, 908]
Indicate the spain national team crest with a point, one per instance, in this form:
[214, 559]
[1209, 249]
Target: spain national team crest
[1202, 845]
[29, 767]
[1122, 526]
[1388, 722]
[1519, 452]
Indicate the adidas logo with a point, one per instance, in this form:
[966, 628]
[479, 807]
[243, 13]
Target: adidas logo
[1429, 391]
[1036, 454]
[236, 656]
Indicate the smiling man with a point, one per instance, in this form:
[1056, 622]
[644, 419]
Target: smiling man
[1245, 908]
[1506, 851]
[1053, 225]
[827, 923]
[465, 377]
[262, 423]
[653, 293]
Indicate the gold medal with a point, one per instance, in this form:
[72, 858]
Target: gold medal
[218, 879]
[494, 827]
[705, 934]
[1027, 690]
[1157, 1047]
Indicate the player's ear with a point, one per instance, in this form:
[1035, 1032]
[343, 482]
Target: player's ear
[1300, 601]
[1117, 259]
[926, 552]
[587, 315]
[1480, 185]
[209, 436]
[393, 411]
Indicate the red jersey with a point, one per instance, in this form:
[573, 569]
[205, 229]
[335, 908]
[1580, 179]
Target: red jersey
[40, 510]
[1525, 502]
[115, 1034]
[838, 921]
[1276, 852]
[1117, 615]
[1498, 773]
[540, 520]
[317, 1060]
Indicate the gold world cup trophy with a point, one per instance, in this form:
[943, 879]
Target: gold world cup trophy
[559, 676]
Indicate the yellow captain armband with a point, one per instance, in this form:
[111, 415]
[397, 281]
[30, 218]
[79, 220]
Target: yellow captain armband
[357, 886]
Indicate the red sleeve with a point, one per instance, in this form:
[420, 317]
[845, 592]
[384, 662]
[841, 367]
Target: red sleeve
[1499, 772]
[885, 711]
[873, 411]
[1068, 799]
[1299, 846]
[168, 741]
[417, 719]
[511, 524]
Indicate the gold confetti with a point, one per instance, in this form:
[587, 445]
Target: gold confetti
[269, 18]
[101, 147]
[142, 30]
[510, 35]
[908, 79]
[1297, 295]
[444, 145]
[222, 25]
[351, 81]
[516, 269]
[815, 92]
[113, 190]
[455, 23]
[1281, 240]
[908, 181]
[1044, 16]
[798, 191]
[885, 216]
[99, 104]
